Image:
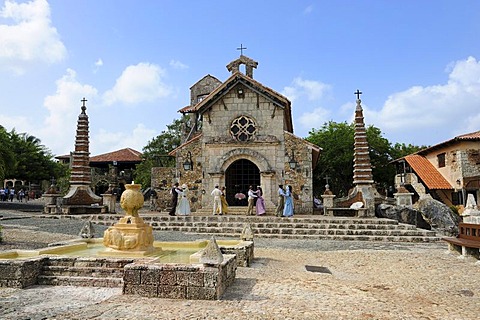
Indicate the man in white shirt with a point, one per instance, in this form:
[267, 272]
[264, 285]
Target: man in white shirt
[217, 200]
[281, 201]
[251, 201]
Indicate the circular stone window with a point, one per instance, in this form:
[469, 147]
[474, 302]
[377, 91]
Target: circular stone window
[243, 128]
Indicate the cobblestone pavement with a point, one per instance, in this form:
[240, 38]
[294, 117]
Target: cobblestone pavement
[359, 280]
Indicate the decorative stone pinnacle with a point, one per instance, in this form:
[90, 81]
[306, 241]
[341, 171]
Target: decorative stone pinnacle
[247, 233]
[211, 255]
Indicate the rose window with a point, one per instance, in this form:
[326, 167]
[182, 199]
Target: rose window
[243, 128]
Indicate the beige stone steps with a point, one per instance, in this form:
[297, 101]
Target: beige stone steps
[319, 227]
[80, 281]
[82, 272]
[417, 239]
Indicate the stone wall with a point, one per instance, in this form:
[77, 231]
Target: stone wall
[195, 282]
[20, 273]
[163, 178]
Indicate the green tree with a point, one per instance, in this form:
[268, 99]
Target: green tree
[6, 154]
[33, 161]
[336, 158]
[155, 153]
[400, 150]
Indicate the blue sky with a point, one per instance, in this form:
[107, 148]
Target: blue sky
[416, 62]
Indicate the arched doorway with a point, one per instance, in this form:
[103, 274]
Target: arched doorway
[239, 176]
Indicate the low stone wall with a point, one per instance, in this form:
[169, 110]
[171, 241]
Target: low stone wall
[21, 273]
[243, 250]
[196, 281]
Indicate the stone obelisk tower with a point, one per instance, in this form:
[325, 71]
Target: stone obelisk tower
[80, 197]
[362, 167]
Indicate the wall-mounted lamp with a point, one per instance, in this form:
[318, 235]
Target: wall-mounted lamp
[188, 164]
[240, 92]
[458, 181]
[292, 163]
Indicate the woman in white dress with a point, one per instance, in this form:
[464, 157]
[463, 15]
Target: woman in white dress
[183, 206]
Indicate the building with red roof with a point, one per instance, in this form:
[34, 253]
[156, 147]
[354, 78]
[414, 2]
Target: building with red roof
[447, 171]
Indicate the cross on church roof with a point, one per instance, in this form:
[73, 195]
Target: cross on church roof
[358, 93]
[241, 49]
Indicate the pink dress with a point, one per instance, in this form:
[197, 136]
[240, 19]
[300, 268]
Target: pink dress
[260, 206]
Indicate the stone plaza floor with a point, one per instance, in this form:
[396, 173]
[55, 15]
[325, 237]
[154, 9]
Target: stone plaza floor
[358, 280]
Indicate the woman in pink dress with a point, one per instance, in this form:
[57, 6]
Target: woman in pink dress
[260, 206]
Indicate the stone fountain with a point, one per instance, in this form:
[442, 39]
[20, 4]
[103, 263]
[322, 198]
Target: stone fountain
[130, 234]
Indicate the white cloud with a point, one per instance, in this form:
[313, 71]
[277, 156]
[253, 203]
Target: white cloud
[308, 9]
[105, 141]
[138, 83]
[98, 64]
[315, 118]
[311, 89]
[58, 129]
[450, 108]
[178, 65]
[30, 38]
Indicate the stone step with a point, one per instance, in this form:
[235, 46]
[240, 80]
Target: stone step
[206, 224]
[343, 228]
[86, 262]
[260, 232]
[80, 281]
[348, 238]
[82, 272]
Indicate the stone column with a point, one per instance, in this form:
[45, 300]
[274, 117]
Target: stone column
[327, 197]
[403, 197]
[110, 201]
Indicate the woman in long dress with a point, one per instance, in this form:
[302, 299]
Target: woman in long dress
[260, 206]
[223, 199]
[183, 206]
[288, 208]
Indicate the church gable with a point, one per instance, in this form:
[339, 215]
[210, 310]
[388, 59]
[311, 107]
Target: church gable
[242, 115]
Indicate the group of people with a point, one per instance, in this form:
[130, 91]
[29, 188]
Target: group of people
[180, 205]
[9, 194]
[220, 204]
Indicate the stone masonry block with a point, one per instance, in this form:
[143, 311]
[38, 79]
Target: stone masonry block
[172, 292]
[150, 276]
[141, 290]
[168, 278]
[132, 276]
[202, 293]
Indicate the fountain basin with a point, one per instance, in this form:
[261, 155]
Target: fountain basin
[171, 271]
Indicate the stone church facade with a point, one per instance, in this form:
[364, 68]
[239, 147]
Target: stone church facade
[240, 133]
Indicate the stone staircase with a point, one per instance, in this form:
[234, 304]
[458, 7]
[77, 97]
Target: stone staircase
[298, 227]
[87, 272]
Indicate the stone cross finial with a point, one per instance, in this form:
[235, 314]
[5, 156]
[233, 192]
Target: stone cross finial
[241, 49]
[84, 107]
[358, 93]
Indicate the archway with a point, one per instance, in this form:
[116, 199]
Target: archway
[239, 176]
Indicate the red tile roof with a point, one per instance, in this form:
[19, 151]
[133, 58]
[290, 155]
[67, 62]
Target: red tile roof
[473, 136]
[427, 172]
[123, 155]
[469, 136]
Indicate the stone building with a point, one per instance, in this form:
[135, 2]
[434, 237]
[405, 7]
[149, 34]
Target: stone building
[447, 171]
[240, 133]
